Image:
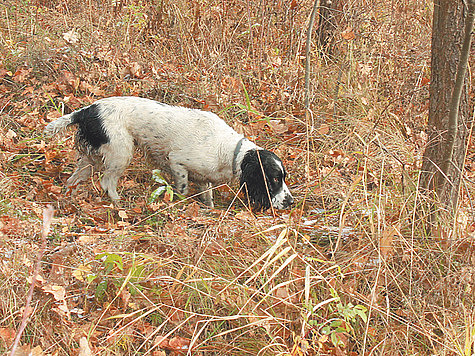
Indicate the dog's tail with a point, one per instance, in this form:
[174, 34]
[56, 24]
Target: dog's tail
[59, 125]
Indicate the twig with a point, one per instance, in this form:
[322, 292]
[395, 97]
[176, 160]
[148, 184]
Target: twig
[47, 217]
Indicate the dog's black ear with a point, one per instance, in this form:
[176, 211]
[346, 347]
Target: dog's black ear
[253, 180]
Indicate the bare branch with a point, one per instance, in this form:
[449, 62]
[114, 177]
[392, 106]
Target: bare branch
[47, 217]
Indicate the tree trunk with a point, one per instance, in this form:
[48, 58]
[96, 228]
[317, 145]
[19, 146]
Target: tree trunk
[330, 17]
[447, 37]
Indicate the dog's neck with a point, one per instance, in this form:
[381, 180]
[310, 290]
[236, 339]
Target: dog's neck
[236, 152]
[242, 147]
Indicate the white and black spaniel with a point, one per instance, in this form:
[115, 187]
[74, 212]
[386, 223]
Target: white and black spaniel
[190, 144]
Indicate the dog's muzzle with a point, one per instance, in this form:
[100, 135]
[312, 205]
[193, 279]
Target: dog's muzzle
[283, 199]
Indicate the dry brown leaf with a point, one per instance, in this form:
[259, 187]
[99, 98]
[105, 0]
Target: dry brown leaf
[7, 335]
[348, 34]
[324, 129]
[133, 70]
[179, 343]
[36, 351]
[192, 210]
[281, 293]
[26, 350]
[81, 272]
[245, 216]
[125, 296]
[72, 36]
[162, 342]
[278, 126]
[58, 292]
[22, 74]
[91, 88]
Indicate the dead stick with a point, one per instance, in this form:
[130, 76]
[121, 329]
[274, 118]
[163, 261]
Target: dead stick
[47, 217]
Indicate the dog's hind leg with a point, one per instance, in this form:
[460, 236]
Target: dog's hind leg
[116, 159]
[83, 171]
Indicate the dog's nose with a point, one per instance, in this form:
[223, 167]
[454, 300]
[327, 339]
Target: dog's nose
[289, 200]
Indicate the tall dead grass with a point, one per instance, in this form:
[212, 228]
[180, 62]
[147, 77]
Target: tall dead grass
[231, 283]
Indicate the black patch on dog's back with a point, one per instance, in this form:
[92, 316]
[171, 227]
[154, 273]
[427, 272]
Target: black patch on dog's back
[91, 133]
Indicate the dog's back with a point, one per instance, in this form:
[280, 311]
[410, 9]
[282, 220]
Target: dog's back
[179, 139]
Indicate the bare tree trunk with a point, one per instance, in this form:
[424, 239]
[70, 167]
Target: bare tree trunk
[330, 16]
[456, 94]
[307, 55]
[442, 173]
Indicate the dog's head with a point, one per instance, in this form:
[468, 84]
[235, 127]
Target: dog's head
[263, 175]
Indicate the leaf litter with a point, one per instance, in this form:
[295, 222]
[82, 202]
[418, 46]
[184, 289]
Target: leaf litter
[170, 276]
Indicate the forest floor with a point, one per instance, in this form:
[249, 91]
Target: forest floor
[348, 270]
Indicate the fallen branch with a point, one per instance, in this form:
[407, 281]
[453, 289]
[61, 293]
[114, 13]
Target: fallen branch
[47, 217]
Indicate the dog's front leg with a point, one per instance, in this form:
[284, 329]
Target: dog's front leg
[206, 193]
[180, 177]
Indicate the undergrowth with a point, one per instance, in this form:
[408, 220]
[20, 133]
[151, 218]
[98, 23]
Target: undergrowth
[349, 270]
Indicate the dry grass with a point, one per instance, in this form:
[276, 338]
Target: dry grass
[230, 282]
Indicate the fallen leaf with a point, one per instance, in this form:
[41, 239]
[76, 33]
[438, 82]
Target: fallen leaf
[71, 36]
[23, 350]
[245, 216]
[278, 126]
[7, 335]
[424, 81]
[53, 115]
[38, 278]
[21, 75]
[324, 129]
[26, 350]
[85, 239]
[36, 351]
[192, 210]
[162, 342]
[179, 343]
[11, 134]
[133, 70]
[81, 272]
[58, 292]
[281, 293]
[348, 34]
[91, 88]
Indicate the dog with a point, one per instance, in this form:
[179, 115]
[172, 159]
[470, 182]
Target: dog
[192, 145]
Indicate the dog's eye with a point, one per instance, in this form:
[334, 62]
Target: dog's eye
[276, 180]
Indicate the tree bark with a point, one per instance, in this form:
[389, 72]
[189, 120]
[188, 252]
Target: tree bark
[330, 16]
[311, 22]
[447, 38]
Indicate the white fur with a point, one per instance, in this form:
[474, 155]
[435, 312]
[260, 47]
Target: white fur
[278, 200]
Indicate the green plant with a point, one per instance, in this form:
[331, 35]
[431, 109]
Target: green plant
[342, 319]
[165, 187]
[113, 261]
